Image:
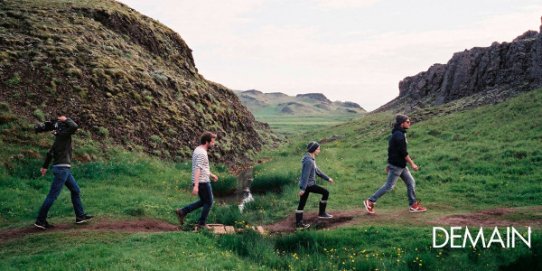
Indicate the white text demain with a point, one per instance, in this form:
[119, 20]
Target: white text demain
[463, 237]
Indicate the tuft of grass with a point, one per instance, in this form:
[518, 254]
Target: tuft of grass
[15, 80]
[39, 114]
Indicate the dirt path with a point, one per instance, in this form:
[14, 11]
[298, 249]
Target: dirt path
[130, 226]
[524, 216]
[531, 216]
[340, 218]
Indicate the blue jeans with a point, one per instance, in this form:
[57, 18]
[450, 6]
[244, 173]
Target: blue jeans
[394, 174]
[62, 176]
[205, 193]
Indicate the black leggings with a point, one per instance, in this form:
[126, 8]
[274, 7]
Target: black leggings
[314, 189]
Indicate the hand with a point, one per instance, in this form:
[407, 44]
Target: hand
[415, 167]
[195, 190]
[331, 180]
[43, 171]
[214, 177]
[387, 169]
[62, 118]
[301, 193]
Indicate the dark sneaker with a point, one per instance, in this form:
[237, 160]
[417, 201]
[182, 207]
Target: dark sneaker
[417, 208]
[83, 219]
[302, 225]
[369, 206]
[43, 225]
[181, 215]
[325, 216]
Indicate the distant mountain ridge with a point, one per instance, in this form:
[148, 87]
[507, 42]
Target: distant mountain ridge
[302, 104]
[486, 74]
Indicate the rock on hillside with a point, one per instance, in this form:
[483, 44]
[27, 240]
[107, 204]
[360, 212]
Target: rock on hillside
[120, 74]
[492, 73]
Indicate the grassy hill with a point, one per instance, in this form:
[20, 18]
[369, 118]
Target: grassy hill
[289, 115]
[119, 74]
[471, 161]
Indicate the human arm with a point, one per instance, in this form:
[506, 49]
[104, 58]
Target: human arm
[197, 173]
[323, 175]
[214, 177]
[411, 163]
[48, 159]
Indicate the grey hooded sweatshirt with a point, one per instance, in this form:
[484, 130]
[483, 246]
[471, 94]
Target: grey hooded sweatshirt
[309, 172]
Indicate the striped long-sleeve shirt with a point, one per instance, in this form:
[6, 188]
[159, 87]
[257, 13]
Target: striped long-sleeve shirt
[201, 160]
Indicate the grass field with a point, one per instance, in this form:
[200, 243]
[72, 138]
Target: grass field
[293, 125]
[471, 161]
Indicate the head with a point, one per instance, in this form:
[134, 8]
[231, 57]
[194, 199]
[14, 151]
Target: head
[402, 121]
[313, 148]
[61, 117]
[54, 125]
[208, 139]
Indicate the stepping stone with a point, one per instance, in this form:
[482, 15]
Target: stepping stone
[229, 229]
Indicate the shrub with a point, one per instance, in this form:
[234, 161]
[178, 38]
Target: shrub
[271, 183]
[225, 186]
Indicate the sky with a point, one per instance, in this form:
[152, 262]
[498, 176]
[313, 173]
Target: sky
[349, 50]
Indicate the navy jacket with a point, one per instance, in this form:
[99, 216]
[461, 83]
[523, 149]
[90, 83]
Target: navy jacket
[397, 148]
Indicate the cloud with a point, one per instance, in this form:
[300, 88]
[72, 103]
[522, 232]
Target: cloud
[275, 55]
[345, 4]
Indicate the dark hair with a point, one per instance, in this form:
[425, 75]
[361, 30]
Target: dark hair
[206, 137]
[399, 119]
[312, 146]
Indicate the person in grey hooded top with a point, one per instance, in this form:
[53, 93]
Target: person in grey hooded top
[307, 184]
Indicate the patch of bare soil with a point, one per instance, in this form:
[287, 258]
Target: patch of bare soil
[130, 226]
[531, 216]
[340, 218]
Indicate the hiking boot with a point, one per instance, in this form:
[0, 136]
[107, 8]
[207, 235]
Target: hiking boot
[325, 216]
[83, 219]
[417, 208]
[180, 215]
[301, 225]
[369, 206]
[43, 225]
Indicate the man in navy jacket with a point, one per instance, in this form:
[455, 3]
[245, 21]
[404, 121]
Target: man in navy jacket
[397, 160]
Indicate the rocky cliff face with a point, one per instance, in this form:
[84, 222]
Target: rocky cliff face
[490, 73]
[121, 75]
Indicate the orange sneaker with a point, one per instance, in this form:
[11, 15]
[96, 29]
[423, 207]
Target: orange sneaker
[417, 207]
[369, 206]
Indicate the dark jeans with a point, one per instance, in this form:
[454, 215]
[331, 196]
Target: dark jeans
[205, 193]
[312, 189]
[393, 174]
[63, 176]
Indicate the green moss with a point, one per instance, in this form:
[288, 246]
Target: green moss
[102, 131]
[14, 80]
[39, 114]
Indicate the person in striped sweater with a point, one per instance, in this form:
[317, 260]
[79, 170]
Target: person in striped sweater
[201, 181]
